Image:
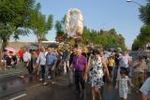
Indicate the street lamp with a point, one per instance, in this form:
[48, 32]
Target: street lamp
[134, 2]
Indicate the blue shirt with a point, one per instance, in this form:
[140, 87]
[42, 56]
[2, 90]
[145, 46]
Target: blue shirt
[50, 59]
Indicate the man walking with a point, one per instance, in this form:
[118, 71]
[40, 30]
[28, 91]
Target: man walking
[26, 60]
[41, 60]
[79, 63]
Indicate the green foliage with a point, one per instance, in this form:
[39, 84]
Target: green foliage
[144, 35]
[145, 13]
[137, 44]
[19, 17]
[49, 22]
[104, 38]
[14, 18]
[15, 12]
[142, 38]
[39, 24]
[59, 26]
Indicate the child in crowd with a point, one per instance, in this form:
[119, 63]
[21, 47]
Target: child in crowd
[123, 82]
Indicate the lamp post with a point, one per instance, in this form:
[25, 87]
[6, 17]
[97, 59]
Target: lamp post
[134, 2]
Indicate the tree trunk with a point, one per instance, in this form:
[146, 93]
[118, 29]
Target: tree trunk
[4, 43]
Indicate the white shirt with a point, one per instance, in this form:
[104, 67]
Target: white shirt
[124, 61]
[42, 58]
[26, 56]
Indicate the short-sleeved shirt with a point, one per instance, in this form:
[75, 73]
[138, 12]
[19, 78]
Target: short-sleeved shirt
[124, 61]
[20, 53]
[41, 58]
[50, 59]
[26, 56]
[145, 89]
[79, 63]
[111, 62]
[141, 67]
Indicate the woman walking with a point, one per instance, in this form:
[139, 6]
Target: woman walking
[96, 74]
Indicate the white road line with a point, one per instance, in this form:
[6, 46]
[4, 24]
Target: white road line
[22, 95]
[17, 97]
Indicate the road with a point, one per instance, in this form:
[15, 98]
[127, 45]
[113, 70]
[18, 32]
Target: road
[15, 88]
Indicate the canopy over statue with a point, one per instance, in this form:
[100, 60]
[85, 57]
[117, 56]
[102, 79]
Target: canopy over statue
[74, 23]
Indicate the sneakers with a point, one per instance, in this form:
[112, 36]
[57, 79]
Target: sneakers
[49, 77]
[137, 91]
[41, 79]
[45, 83]
[21, 76]
[53, 82]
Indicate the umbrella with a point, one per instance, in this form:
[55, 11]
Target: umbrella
[53, 45]
[10, 49]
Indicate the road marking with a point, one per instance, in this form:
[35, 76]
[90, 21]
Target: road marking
[22, 95]
[17, 97]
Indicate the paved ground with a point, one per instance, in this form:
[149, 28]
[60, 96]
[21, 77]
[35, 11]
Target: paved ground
[29, 88]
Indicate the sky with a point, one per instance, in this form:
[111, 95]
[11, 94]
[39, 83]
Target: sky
[98, 14]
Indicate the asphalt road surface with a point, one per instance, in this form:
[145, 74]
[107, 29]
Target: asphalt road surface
[29, 88]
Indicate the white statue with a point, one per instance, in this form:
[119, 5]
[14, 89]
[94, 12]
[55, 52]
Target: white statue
[74, 22]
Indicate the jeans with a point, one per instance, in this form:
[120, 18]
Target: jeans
[49, 71]
[71, 76]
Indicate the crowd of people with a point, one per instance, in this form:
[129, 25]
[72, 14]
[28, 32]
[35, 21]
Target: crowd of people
[95, 65]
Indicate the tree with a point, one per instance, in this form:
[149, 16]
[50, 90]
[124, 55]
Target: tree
[145, 13]
[136, 44]
[60, 33]
[39, 24]
[145, 33]
[144, 36]
[59, 28]
[15, 16]
[103, 38]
